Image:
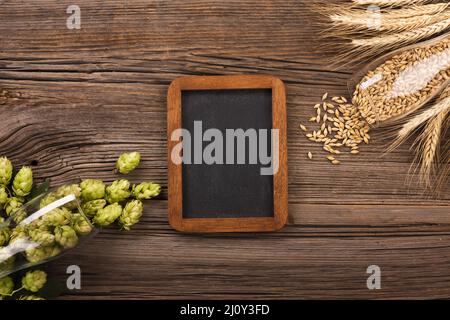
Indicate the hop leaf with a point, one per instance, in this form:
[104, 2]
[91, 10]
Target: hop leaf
[92, 189]
[118, 191]
[31, 297]
[3, 197]
[146, 190]
[6, 170]
[5, 235]
[131, 214]
[66, 237]
[108, 215]
[127, 162]
[6, 286]
[80, 224]
[90, 208]
[43, 237]
[35, 255]
[34, 280]
[12, 205]
[23, 182]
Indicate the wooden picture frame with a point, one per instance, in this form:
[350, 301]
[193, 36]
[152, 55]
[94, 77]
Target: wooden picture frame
[280, 179]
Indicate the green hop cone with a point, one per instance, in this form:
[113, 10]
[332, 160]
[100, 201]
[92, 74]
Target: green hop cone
[118, 191]
[90, 208]
[48, 199]
[146, 190]
[30, 297]
[66, 237]
[23, 182]
[34, 280]
[19, 232]
[81, 225]
[44, 238]
[5, 235]
[38, 254]
[92, 189]
[6, 170]
[12, 205]
[57, 217]
[6, 286]
[131, 214]
[3, 197]
[127, 162]
[108, 215]
[6, 259]
[66, 190]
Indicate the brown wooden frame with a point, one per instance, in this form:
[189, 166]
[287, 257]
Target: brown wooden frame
[280, 179]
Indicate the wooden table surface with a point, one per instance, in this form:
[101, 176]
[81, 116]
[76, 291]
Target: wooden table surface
[73, 100]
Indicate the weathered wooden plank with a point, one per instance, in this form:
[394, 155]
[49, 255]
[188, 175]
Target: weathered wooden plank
[323, 252]
[71, 101]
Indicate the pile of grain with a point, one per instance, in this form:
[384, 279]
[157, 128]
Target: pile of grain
[337, 124]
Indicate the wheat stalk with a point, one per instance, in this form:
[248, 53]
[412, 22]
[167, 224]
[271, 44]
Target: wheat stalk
[445, 169]
[403, 12]
[388, 3]
[357, 22]
[443, 105]
[428, 145]
[403, 37]
[359, 30]
[414, 11]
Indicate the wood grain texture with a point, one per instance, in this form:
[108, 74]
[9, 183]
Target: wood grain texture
[73, 100]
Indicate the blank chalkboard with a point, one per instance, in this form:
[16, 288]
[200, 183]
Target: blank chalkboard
[229, 196]
[226, 190]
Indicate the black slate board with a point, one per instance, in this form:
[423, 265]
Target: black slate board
[227, 191]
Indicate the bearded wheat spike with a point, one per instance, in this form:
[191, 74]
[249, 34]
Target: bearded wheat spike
[415, 10]
[428, 146]
[409, 127]
[444, 175]
[406, 37]
[388, 3]
[345, 25]
[386, 13]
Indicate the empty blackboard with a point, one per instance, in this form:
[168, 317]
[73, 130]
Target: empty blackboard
[227, 190]
[227, 193]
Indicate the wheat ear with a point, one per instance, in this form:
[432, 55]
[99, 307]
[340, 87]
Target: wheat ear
[358, 22]
[403, 37]
[375, 45]
[427, 149]
[444, 175]
[443, 105]
[388, 3]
